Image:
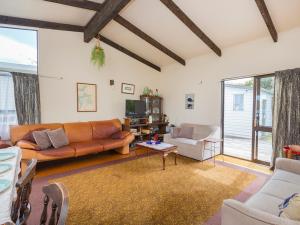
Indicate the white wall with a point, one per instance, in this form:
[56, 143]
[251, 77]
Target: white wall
[256, 57]
[64, 54]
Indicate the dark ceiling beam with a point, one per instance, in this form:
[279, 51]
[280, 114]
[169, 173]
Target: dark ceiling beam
[267, 18]
[128, 52]
[39, 23]
[110, 10]
[123, 22]
[80, 4]
[67, 27]
[191, 25]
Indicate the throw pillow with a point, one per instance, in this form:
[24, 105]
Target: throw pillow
[29, 137]
[290, 208]
[120, 135]
[42, 139]
[186, 132]
[58, 138]
[175, 132]
[28, 145]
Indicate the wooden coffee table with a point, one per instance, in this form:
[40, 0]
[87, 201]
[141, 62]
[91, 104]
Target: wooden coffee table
[163, 148]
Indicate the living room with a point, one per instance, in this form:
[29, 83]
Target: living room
[227, 85]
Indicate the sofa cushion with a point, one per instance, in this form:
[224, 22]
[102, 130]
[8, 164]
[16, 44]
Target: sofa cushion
[290, 208]
[58, 138]
[186, 132]
[111, 143]
[42, 139]
[17, 132]
[104, 129]
[28, 145]
[280, 189]
[29, 135]
[265, 202]
[78, 132]
[187, 141]
[120, 135]
[63, 152]
[87, 147]
[286, 176]
[175, 132]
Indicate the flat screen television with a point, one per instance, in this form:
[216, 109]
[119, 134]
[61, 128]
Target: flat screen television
[135, 108]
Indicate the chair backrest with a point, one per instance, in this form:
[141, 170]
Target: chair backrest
[202, 131]
[57, 193]
[21, 207]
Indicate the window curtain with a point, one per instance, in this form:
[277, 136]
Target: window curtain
[27, 98]
[286, 111]
[8, 114]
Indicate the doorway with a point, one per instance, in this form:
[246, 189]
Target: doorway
[247, 118]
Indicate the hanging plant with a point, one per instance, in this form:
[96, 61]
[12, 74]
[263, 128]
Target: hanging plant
[98, 56]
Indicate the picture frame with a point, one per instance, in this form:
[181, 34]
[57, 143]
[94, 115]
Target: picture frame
[86, 97]
[189, 101]
[127, 88]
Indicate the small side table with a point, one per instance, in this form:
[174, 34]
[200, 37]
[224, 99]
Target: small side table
[212, 149]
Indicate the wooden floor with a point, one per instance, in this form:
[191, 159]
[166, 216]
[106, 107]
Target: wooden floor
[62, 166]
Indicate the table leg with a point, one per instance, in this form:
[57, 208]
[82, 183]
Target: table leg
[214, 152]
[164, 161]
[175, 158]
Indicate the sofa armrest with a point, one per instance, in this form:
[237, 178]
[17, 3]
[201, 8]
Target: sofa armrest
[289, 165]
[167, 137]
[237, 213]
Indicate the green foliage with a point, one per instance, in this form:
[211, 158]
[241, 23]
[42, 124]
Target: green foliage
[266, 83]
[98, 56]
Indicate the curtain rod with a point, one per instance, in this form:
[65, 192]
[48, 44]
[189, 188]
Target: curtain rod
[6, 74]
[248, 76]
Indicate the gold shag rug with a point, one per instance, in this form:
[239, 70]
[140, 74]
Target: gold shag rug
[139, 192]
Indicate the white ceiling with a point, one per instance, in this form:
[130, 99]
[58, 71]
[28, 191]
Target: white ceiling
[226, 22]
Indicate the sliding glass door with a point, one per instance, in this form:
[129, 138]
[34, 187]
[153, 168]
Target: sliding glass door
[247, 118]
[262, 125]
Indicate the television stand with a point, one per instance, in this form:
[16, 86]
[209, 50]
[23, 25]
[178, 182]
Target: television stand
[143, 130]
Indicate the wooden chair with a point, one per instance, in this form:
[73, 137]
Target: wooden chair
[21, 207]
[59, 207]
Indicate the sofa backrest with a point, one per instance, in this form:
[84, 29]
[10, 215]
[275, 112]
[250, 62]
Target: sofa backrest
[104, 129]
[17, 132]
[203, 131]
[78, 132]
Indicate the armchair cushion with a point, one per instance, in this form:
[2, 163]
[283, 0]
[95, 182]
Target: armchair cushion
[186, 132]
[175, 132]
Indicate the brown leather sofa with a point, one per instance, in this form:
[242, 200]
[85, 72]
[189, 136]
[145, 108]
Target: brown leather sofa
[84, 137]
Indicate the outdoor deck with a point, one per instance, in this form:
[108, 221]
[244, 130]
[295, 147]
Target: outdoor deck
[241, 148]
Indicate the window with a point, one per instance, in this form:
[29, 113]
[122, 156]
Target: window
[238, 102]
[18, 50]
[18, 53]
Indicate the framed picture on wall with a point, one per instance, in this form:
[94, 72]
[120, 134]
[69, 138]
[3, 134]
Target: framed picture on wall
[189, 101]
[127, 88]
[86, 97]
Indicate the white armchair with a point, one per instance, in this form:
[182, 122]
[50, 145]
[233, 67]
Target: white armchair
[194, 147]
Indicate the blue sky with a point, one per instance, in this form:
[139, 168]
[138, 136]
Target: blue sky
[27, 37]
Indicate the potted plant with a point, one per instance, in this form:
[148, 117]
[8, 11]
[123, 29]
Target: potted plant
[98, 56]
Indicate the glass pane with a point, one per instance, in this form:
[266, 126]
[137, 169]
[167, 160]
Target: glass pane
[238, 110]
[18, 50]
[266, 101]
[264, 146]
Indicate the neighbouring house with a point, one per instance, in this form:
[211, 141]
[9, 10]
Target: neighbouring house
[238, 110]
